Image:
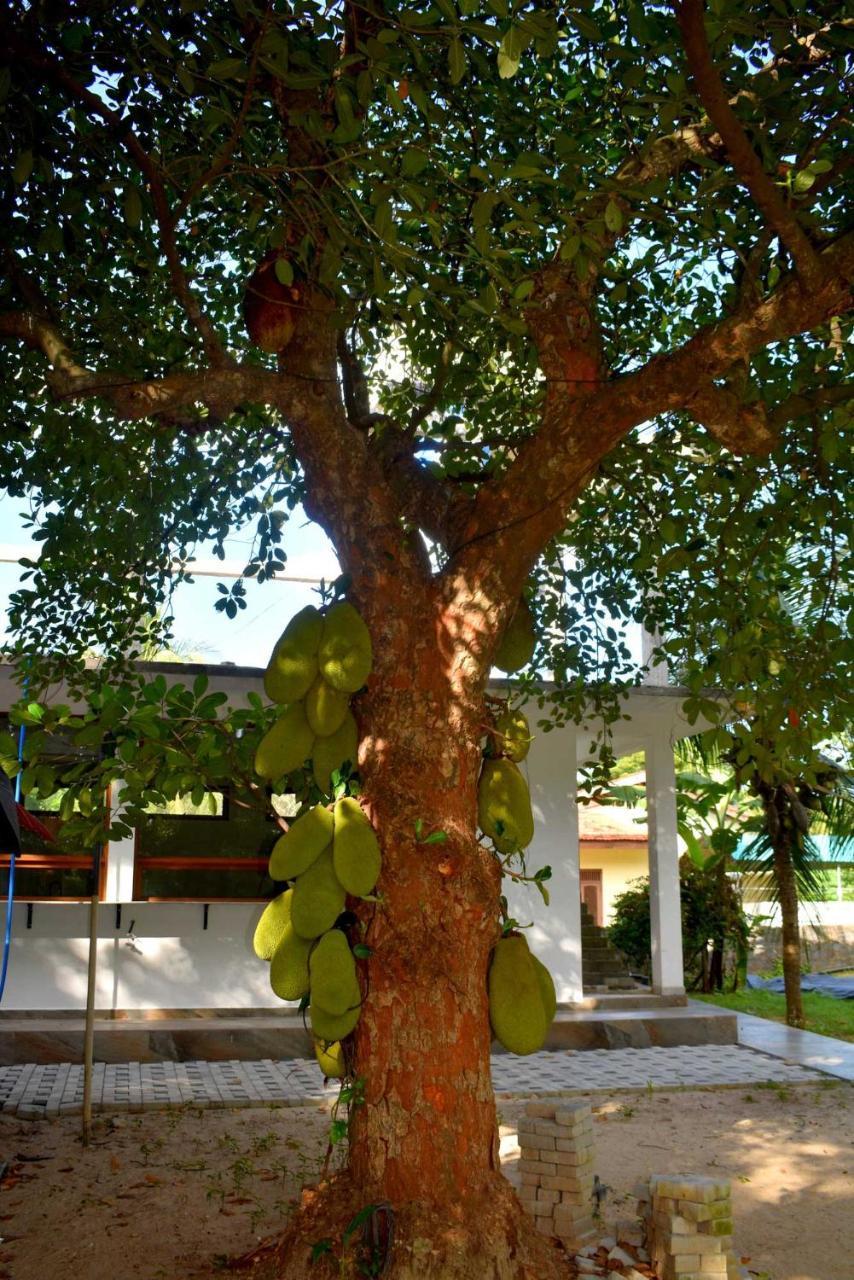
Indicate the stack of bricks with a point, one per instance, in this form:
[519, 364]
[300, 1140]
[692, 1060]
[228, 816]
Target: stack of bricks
[689, 1228]
[556, 1166]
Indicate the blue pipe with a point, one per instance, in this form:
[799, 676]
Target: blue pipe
[10, 900]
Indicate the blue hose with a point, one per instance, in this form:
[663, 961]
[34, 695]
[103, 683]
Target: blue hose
[10, 901]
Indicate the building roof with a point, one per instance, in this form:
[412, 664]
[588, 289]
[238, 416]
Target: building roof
[612, 823]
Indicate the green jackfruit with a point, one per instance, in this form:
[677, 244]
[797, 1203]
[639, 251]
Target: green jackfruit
[330, 1059]
[517, 644]
[271, 928]
[547, 989]
[295, 851]
[289, 966]
[332, 969]
[355, 850]
[504, 806]
[516, 1008]
[286, 745]
[345, 656]
[514, 735]
[328, 1027]
[318, 898]
[330, 753]
[325, 708]
[293, 664]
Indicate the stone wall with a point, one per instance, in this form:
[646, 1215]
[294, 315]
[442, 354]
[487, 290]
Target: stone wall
[823, 947]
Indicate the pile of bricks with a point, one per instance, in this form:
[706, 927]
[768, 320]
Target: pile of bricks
[689, 1228]
[556, 1167]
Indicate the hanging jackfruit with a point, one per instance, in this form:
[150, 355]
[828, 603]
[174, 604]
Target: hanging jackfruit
[318, 899]
[330, 1059]
[285, 746]
[295, 851]
[517, 644]
[547, 989]
[271, 928]
[293, 664]
[329, 1027]
[513, 735]
[332, 969]
[516, 1009]
[330, 753]
[289, 966]
[345, 656]
[325, 708]
[504, 806]
[355, 849]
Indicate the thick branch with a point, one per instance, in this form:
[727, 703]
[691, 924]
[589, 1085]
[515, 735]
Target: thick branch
[712, 94]
[740, 427]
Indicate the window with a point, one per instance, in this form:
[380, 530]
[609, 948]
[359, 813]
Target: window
[217, 850]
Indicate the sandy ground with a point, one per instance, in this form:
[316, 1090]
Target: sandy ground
[161, 1195]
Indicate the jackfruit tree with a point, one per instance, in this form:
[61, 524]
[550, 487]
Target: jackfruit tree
[540, 311]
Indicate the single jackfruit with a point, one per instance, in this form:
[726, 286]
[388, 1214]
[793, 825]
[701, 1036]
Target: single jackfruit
[289, 966]
[318, 898]
[547, 989]
[271, 928]
[513, 735]
[330, 753]
[295, 851]
[345, 656]
[330, 1059]
[325, 708]
[516, 1008]
[286, 746]
[332, 969]
[292, 668]
[517, 644]
[355, 850]
[504, 806]
[328, 1027]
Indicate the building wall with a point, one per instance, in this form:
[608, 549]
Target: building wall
[620, 863]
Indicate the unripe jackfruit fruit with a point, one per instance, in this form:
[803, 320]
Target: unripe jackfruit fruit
[332, 970]
[513, 735]
[355, 850]
[504, 806]
[517, 644]
[330, 753]
[325, 708]
[289, 966]
[328, 1027]
[345, 656]
[285, 746]
[547, 989]
[516, 1008]
[295, 851]
[271, 928]
[318, 899]
[292, 668]
[330, 1060]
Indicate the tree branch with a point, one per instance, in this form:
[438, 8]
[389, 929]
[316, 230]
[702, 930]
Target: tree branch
[712, 94]
[739, 427]
[150, 171]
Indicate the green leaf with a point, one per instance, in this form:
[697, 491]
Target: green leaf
[132, 207]
[510, 52]
[436, 837]
[613, 216]
[23, 167]
[457, 62]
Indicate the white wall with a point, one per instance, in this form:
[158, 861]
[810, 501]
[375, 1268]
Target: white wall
[817, 913]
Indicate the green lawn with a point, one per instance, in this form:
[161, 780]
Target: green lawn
[825, 1015]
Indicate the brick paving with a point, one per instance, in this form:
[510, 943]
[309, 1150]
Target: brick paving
[34, 1092]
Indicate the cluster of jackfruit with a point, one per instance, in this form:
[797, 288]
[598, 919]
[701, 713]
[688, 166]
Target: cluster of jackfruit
[318, 662]
[503, 799]
[326, 853]
[522, 998]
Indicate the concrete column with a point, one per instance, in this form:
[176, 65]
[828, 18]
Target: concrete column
[120, 856]
[657, 674]
[668, 977]
[570, 898]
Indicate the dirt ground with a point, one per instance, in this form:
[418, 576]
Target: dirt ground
[164, 1195]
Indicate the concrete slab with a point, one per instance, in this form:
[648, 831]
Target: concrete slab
[804, 1048]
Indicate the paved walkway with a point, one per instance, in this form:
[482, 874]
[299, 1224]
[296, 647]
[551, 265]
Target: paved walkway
[34, 1092]
[824, 1053]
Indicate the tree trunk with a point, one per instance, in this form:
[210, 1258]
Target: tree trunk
[784, 873]
[424, 1142]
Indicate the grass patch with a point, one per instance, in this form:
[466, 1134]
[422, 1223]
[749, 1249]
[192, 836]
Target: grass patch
[824, 1014]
